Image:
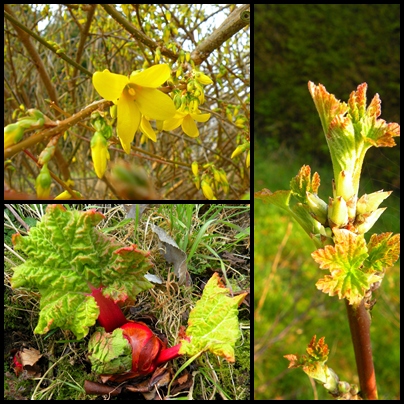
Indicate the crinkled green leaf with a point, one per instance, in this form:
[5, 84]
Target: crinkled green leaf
[65, 253]
[110, 353]
[213, 324]
[349, 277]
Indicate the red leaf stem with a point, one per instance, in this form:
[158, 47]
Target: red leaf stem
[111, 316]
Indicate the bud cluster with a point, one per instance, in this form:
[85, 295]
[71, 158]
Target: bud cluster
[344, 210]
[210, 180]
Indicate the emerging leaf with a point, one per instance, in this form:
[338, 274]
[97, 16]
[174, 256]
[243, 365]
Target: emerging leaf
[66, 253]
[351, 275]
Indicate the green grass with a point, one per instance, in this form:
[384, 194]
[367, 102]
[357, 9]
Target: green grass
[288, 308]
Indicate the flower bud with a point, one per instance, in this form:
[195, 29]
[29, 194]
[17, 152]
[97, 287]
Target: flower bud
[317, 207]
[369, 203]
[67, 195]
[203, 78]
[240, 149]
[99, 153]
[337, 212]
[194, 167]
[207, 190]
[247, 160]
[43, 183]
[13, 133]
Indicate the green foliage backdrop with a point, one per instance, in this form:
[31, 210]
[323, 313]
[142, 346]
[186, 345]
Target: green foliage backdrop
[337, 45]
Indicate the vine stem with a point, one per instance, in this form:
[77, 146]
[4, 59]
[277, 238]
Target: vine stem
[359, 323]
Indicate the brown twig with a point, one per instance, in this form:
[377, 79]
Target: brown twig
[61, 127]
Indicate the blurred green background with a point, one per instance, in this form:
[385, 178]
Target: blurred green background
[339, 46]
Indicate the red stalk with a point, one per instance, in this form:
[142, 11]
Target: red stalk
[111, 316]
[168, 354]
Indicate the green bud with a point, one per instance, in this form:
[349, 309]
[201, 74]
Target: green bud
[344, 185]
[344, 387]
[43, 183]
[337, 212]
[13, 133]
[317, 206]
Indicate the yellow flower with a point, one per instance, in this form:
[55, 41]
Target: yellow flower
[135, 96]
[186, 120]
[99, 153]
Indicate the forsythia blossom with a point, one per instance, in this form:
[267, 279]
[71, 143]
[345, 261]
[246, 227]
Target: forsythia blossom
[135, 96]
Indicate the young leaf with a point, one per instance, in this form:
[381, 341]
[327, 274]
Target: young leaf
[213, 323]
[66, 253]
[349, 277]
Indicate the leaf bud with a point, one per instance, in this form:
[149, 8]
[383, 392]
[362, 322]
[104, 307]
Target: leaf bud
[344, 185]
[337, 212]
[366, 221]
[317, 207]
[369, 203]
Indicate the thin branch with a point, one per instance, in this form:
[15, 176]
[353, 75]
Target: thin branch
[230, 26]
[61, 127]
[139, 35]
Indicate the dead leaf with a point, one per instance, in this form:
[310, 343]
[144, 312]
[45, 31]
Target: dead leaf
[174, 255]
[30, 356]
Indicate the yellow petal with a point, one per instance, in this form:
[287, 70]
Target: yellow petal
[152, 77]
[154, 104]
[128, 121]
[172, 123]
[189, 127]
[200, 117]
[109, 85]
[146, 128]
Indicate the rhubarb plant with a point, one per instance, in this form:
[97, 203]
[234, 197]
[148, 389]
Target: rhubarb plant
[82, 275]
[337, 227]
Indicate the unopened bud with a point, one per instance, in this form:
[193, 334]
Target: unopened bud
[317, 207]
[337, 212]
[194, 167]
[344, 185]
